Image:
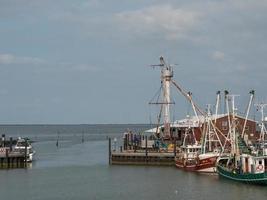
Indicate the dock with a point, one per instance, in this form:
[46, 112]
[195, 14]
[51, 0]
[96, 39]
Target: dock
[12, 160]
[140, 153]
[141, 158]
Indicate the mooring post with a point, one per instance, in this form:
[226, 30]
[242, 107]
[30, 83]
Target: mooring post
[174, 148]
[7, 158]
[17, 162]
[10, 144]
[124, 142]
[109, 151]
[127, 141]
[25, 153]
[146, 147]
[3, 140]
[132, 141]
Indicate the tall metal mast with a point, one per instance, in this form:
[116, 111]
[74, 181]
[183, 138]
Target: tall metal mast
[218, 98]
[261, 107]
[233, 136]
[211, 137]
[252, 93]
[166, 76]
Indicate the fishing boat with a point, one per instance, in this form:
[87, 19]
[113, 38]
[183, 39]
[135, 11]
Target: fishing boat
[192, 158]
[187, 159]
[213, 143]
[23, 143]
[201, 157]
[243, 167]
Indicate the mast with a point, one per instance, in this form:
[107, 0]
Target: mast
[210, 134]
[217, 105]
[252, 93]
[209, 127]
[233, 134]
[261, 107]
[166, 76]
[225, 100]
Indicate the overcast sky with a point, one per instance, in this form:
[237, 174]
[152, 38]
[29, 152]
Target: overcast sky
[86, 61]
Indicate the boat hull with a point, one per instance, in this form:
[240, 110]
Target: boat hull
[204, 165]
[259, 179]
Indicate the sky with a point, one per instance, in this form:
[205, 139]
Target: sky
[87, 61]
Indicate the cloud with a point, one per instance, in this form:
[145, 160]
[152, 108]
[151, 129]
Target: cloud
[12, 59]
[218, 55]
[172, 22]
[83, 68]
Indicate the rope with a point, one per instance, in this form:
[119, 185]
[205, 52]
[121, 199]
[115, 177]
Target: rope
[157, 94]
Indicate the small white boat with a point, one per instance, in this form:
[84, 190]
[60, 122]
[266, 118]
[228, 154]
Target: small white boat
[20, 146]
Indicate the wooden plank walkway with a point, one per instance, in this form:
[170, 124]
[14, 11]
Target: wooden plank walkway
[137, 158]
[141, 157]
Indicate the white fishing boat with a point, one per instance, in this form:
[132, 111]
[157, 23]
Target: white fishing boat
[21, 145]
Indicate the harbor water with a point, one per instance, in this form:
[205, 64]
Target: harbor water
[78, 169]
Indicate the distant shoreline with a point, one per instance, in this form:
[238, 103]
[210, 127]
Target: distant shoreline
[104, 124]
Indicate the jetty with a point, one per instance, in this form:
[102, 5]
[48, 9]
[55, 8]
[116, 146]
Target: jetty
[10, 157]
[138, 154]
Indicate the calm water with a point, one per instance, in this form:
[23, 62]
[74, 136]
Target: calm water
[79, 170]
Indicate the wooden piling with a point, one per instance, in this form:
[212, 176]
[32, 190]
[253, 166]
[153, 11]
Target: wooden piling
[174, 147]
[7, 158]
[25, 153]
[146, 147]
[131, 141]
[10, 144]
[109, 151]
[3, 140]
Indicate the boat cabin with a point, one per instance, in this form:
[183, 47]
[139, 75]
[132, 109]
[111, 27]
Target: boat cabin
[253, 164]
[191, 151]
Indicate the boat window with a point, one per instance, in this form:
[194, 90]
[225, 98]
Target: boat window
[21, 144]
[260, 162]
[224, 128]
[224, 123]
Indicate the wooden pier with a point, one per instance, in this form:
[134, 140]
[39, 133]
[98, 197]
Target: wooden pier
[134, 153]
[11, 158]
[141, 158]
